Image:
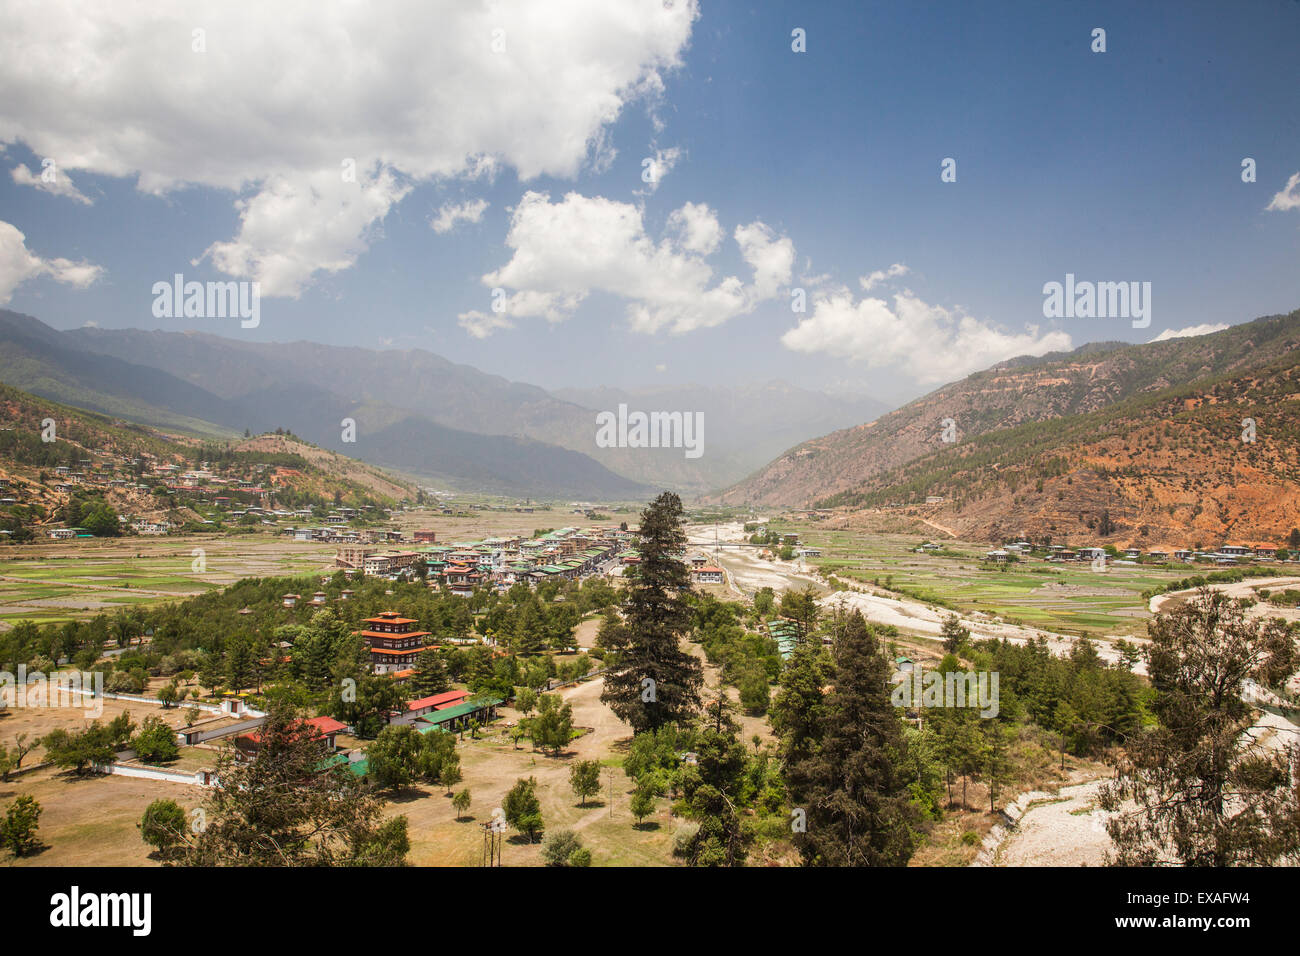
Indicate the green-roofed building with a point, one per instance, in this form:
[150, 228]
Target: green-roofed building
[458, 717]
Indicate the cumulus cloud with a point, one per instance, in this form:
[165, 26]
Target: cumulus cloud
[930, 343]
[56, 183]
[1288, 198]
[451, 213]
[695, 228]
[273, 246]
[18, 264]
[283, 94]
[1190, 331]
[869, 282]
[564, 251]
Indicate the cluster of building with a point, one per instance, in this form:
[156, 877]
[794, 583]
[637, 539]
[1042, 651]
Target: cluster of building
[563, 554]
[1228, 554]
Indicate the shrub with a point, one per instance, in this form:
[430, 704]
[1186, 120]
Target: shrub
[560, 846]
[684, 838]
[163, 825]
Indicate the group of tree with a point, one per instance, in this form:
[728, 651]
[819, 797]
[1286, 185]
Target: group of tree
[1206, 785]
[81, 751]
[402, 755]
[287, 806]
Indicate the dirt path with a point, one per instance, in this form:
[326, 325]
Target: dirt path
[938, 527]
[1061, 829]
[1239, 589]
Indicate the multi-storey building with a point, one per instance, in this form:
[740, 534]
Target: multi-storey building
[394, 641]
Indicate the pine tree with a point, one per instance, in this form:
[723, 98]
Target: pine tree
[852, 788]
[656, 682]
[430, 675]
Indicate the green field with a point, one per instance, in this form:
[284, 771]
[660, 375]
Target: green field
[1067, 597]
[51, 584]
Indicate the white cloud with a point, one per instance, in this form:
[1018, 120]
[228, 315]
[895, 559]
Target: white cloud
[927, 342]
[564, 251]
[60, 185]
[451, 213]
[18, 264]
[481, 324]
[771, 258]
[1288, 198]
[655, 168]
[275, 248]
[1190, 331]
[696, 228]
[869, 282]
[286, 92]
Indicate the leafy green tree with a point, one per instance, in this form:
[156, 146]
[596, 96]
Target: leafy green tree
[584, 778]
[156, 741]
[526, 700]
[364, 701]
[1209, 791]
[755, 692]
[656, 682]
[80, 751]
[19, 826]
[955, 636]
[801, 607]
[553, 726]
[461, 802]
[163, 826]
[798, 713]
[996, 767]
[393, 758]
[522, 809]
[580, 857]
[642, 803]
[101, 521]
[12, 759]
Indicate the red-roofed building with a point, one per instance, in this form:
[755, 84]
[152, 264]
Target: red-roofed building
[326, 729]
[418, 708]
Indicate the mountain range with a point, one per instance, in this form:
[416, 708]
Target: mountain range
[1172, 443]
[414, 411]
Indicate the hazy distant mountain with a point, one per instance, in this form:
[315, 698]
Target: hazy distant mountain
[188, 379]
[744, 425]
[211, 386]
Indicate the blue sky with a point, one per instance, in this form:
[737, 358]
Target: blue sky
[1115, 166]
